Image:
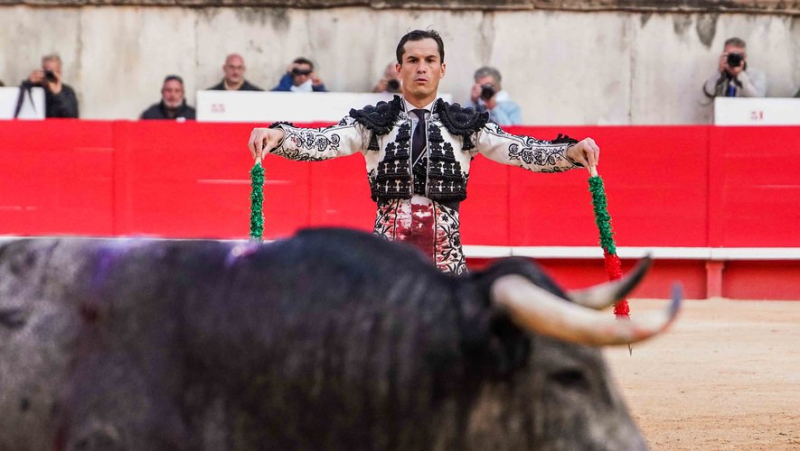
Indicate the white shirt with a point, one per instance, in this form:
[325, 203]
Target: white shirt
[413, 117]
[305, 87]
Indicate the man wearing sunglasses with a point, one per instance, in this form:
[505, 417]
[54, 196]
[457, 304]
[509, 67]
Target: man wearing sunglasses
[300, 77]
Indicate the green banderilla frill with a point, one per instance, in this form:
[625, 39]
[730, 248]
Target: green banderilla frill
[257, 202]
[601, 216]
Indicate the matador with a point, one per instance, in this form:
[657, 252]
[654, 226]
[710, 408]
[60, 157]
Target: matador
[418, 150]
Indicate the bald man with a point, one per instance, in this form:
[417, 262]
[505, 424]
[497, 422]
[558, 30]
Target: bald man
[234, 76]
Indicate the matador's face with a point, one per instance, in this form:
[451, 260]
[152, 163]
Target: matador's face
[422, 68]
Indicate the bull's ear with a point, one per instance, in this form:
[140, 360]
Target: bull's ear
[541, 312]
[603, 295]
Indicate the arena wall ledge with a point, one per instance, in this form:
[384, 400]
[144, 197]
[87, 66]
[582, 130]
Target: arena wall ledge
[702, 6]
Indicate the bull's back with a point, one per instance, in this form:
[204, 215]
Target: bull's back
[331, 327]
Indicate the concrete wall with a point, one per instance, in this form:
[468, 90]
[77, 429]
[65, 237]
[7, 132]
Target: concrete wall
[562, 67]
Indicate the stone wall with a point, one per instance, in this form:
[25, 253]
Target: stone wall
[563, 67]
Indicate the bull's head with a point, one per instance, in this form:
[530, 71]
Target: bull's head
[563, 397]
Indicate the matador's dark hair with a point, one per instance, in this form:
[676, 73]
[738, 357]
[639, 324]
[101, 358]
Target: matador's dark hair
[418, 35]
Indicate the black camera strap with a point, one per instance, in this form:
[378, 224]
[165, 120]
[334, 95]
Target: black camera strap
[24, 88]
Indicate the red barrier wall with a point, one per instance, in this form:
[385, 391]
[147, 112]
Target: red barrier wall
[687, 186]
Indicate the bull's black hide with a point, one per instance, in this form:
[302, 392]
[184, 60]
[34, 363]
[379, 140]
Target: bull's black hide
[333, 339]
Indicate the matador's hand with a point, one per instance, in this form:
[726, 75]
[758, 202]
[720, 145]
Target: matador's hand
[262, 140]
[585, 152]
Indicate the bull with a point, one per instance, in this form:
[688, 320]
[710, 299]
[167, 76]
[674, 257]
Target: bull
[333, 339]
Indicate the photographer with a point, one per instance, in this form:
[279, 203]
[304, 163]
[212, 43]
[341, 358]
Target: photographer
[733, 78]
[488, 95]
[300, 77]
[390, 83]
[60, 99]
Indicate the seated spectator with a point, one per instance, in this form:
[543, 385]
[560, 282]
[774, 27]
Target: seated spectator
[390, 83]
[300, 77]
[59, 98]
[733, 78]
[173, 104]
[234, 76]
[488, 95]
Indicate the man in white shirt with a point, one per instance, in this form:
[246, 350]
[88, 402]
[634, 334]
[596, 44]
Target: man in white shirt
[418, 174]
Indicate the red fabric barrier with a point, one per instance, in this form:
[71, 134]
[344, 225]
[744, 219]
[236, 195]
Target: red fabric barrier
[56, 176]
[759, 189]
[690, 186]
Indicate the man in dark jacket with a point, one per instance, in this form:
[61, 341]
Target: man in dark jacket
[173, 104]
[234, 76]
[59, 98]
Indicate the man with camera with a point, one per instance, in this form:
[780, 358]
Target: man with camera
[59, 98]
[733, 78]
[390, 83]
[488, 95]
[301, 78]
[234, 76]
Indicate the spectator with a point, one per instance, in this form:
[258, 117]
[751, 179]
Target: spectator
[234, 76]
[733, 78]
[173, 104]
[488, 95]
[59, 98]
[300, 77]
[390, 83]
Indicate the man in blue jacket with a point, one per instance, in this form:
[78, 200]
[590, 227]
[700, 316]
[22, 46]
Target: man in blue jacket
[301, 78]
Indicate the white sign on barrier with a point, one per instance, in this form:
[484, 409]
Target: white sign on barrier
[32, 103]
[254, 106]
[756, 111]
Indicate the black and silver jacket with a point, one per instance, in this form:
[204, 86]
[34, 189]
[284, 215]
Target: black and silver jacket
[382, 133]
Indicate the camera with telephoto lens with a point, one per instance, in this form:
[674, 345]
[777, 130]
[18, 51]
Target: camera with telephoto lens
[734, 59]
[487, 92]
[393, 84]
[50, 76]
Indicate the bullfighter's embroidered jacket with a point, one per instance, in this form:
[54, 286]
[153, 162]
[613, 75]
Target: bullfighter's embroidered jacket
[454, 135]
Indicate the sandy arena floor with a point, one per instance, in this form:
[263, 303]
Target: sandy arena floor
[725, 377]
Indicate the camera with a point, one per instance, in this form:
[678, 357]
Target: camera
[393, 85]
[734, 59]
[487, 91]
[50, 76]
[297, 71]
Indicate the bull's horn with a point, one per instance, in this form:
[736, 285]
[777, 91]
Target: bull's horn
[544, 313]
[601, 296]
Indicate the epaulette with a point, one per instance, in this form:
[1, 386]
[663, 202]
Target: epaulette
[461, 121]
[378, 119]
